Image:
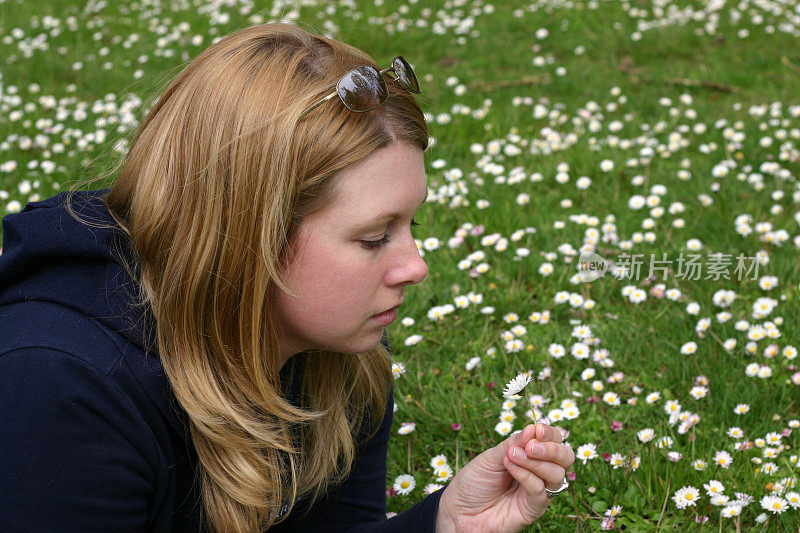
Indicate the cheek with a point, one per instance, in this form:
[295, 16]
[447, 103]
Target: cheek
[331, 285]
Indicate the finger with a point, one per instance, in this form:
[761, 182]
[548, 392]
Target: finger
[518, 439]
[552, 474]
[552, 452]
[527, 433]
[531, 484]
[495, 454]
[547, 433]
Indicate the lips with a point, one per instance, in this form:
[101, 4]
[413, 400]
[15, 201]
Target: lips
[390, 309]
[387, 310]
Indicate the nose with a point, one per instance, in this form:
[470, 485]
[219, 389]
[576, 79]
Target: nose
[408, 266]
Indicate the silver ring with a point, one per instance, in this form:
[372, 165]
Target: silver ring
[551, 493]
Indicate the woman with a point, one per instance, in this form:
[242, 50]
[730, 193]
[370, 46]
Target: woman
[199, 346]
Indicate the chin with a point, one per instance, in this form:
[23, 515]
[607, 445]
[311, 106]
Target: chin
[365, 344]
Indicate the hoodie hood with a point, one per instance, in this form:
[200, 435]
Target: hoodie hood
[49, 255]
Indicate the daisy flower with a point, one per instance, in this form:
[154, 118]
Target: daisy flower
[509, 404]
[735, 432]
[719, 500]
[439, 460]
[430, 488]
[556, 350]
[714, 487]
[652, 397]
[443, 473]
[398, 369]
[646, 435]
[514, 346]
[689, 348]
[571, 412]
[412, 340]
[698, 392]
[404, 484]
[503, 428]
[723, 459]
[516, 385]
[617, 460]
[774, 504]
[586, 452]
[729, 511]
[773, 437]
[664, 442]
[406, 428]
[686, 497]
[507, 416]
[473, 363]
[611, 398]
[793, 499]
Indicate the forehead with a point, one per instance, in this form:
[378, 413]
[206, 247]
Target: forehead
[393, 174]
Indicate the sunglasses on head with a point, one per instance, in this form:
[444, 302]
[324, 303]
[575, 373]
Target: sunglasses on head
[364, 89]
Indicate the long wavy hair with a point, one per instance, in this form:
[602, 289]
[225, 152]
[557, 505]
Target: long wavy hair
[211, 192]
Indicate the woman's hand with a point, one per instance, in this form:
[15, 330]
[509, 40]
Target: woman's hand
[502, 489]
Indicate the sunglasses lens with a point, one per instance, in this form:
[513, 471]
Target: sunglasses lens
[406, 75]
[362, 89]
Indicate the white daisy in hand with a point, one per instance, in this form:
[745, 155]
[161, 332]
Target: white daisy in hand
[404, 484]
[516, 385]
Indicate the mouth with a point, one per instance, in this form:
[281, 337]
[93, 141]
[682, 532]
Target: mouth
[387, 317]
[390, 310]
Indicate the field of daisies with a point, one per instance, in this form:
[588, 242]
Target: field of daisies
[612, 229]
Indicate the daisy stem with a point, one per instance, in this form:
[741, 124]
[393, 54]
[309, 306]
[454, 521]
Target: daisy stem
[611, 484]
[456, 452]
[409, 456]
[649, 471]
[664, 507]
[575, 504]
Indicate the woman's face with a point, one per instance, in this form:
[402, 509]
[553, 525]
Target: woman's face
[353, 259]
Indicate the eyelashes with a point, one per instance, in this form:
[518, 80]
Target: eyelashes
[374, 245]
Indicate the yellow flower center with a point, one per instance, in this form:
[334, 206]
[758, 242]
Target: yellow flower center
[404, 484]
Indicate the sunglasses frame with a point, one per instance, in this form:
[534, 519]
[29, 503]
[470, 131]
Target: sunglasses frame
[396, 62]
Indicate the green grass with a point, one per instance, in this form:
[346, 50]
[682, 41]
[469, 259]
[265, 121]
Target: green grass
[724, 75]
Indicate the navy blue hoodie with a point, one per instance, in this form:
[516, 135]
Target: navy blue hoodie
[91, 436]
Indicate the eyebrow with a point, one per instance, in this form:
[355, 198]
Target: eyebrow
[390, 216]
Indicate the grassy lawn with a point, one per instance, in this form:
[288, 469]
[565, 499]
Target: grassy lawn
[663, 137]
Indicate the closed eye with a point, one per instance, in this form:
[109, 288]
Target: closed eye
[374, 245]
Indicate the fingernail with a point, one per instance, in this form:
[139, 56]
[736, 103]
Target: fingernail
[537, 450]
[514, 452]
[545, 432]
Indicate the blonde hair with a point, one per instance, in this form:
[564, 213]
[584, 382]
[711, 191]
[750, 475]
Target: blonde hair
[216, 183]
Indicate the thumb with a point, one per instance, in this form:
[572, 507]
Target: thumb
[496, 454]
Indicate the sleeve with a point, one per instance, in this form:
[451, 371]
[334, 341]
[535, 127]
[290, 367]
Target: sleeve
[359, 504]
[73, 456]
